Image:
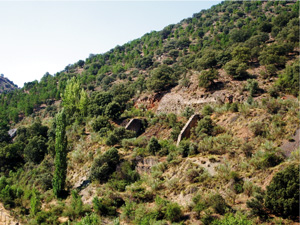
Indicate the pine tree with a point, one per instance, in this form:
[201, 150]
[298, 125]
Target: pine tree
[60, 154]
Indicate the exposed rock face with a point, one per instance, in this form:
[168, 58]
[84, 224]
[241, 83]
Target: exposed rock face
[186, 130]
[176, 102]
[144, 165]
[289, 146]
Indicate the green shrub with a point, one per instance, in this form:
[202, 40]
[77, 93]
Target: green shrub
[231, 219]
[175, 133]
[91, 219]
[76, 208]
[199, 207]
[187, 148]
[36, 149]
[11, 156]
[188, 112]
[4, 136]
[99, 123]
[271, 159]
[234, 107]
[207, 77]
[173, 212]
[247, 149]
[256, 205]
[236, 69]
[153, 146]
[238, 183]
[205, 126]
[104, 206]
[45, 218]
[259, 129]
[282, 196]
[218, 203]
[105, 165]
[199, 174]
[289, 80]
[207, 219]
[124, 176]
[128, 210]
[267, 158]
[113, 110]
[172, 120]
[252, 87]
[118, 134]
[9, 194]
[273, 106]
[35, 203]
[161, 78]
[207, 110]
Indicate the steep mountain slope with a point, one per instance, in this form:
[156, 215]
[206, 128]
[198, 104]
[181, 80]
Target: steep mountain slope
[6, 85]
[236, 65]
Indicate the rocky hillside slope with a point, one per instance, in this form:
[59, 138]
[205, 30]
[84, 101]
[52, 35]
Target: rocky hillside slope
[75, 159]
[6, 85]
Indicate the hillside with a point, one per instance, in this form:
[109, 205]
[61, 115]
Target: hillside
[194, 124]
[6, 85]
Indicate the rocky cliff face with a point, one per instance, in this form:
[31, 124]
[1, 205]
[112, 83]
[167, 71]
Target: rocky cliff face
[6, 85]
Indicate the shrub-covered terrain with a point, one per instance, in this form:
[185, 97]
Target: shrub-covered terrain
[72, 160]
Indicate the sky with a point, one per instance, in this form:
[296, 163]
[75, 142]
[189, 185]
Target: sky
[45, 36]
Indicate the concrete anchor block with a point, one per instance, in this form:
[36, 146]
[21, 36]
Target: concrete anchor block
[186, 130]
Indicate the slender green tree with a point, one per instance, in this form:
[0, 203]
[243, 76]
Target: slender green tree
[60, 154]
[83, 102]
[71, 96]
[35, 203]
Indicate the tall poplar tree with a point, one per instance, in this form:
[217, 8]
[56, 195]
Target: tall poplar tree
[60, 162]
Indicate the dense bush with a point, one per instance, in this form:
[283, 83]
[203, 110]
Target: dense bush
[118, 134]
[161, 78]
[236, 69]
[98, 102]
[113, 110]
[282, 196]
[256, 205]
[218, 203]
[125, 175]
[252, 87]
[36, 149]
[4, 136]
[11, 156]
[259, 129]
[289, 80]
[143, 63]
[100, 122]
[237, 219]
[91, 219]
[207, 77]
[167, 210]
[205, 126]
[9, 193]
[187, 148]
[173, 212]
[105, 165]
[104, 206]
[153, 146]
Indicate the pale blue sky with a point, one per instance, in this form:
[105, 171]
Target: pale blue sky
[44, 36]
